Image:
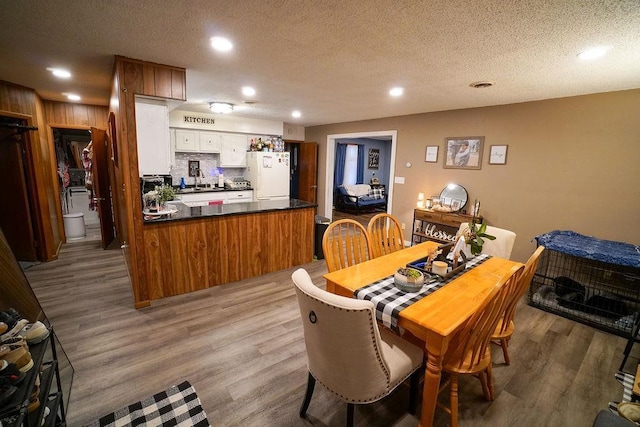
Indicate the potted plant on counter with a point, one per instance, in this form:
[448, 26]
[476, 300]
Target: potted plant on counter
[165, 194]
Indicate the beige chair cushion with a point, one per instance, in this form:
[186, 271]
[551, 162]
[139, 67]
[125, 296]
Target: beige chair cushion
[501, 246]
[345, 349]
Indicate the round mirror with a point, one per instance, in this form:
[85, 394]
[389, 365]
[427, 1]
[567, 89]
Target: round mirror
[454, 195]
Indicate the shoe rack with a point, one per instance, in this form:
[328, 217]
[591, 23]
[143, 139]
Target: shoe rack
[20, 411]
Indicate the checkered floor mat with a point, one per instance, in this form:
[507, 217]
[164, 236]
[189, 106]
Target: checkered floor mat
[178, 406]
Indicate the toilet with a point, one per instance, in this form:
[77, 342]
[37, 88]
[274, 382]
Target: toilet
[74, 226]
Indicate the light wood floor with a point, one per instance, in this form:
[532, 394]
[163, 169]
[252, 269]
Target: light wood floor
[242, 348]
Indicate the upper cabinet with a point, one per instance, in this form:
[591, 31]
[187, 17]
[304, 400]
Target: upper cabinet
[187, 140]
[233, 152]
[152, 135]
[210, 142]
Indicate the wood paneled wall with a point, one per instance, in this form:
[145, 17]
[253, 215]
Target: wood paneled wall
[133, 77]
[185, 256]
[75, 115]
[19, 101]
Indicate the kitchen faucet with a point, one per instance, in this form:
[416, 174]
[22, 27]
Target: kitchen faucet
[199, 176]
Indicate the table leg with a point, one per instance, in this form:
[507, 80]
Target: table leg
[436, 347]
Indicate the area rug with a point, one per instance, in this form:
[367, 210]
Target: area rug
[177, 406]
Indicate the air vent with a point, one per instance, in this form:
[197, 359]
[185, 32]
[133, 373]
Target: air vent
[481, 85]
[249, 102]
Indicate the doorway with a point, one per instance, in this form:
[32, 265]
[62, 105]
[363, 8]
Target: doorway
[80, 216]
[17, 220]
[332, 141]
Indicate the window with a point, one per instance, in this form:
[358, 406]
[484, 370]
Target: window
[351, 165]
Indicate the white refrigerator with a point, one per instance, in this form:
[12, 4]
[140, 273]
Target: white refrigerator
[269, 174]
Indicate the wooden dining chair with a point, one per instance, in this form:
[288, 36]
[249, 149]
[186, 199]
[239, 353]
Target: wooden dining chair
[345, 243]
[501, 247]
[385, 235]
[504, 329]
[470, 352]
[348, 353]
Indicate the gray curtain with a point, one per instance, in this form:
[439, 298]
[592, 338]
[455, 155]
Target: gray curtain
[361, 162]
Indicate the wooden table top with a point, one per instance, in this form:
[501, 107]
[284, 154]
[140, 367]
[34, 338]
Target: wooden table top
[442, 311]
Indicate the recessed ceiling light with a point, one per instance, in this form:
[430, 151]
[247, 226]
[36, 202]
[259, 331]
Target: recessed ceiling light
[396, 91]
[248, 91]
[296, 114]
[481, 85]
[59, 72]
[593, 53]
[221, 44]
[73, 97]
[221, 107]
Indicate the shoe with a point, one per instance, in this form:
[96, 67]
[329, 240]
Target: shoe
[629, 411]
[19, 354]
[6, 393]
[3, 327]
[10, 374]
[36, 333]
[33, 405]
[15, 331]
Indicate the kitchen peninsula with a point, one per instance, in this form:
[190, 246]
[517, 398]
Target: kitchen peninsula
[200, 247]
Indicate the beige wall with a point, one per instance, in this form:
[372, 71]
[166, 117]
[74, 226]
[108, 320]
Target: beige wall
[572, 164]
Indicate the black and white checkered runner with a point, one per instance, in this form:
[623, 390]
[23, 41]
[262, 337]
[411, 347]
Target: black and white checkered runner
[177, 406]
[390, 301]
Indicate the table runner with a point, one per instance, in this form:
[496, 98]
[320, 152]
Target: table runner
[390, 301]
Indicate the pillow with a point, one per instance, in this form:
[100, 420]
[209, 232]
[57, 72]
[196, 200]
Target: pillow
[357, 190]
[376, 193]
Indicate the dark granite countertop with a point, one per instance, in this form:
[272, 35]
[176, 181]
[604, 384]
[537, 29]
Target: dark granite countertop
[193, 190]
[185, 212]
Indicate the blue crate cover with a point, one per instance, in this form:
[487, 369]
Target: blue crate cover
[572, 243]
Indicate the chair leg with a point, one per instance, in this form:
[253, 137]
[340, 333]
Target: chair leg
[504, 342]
[311, 383]
[489, 373]
[485, 388]
[350, 408]
[414, 384]
[454, 400]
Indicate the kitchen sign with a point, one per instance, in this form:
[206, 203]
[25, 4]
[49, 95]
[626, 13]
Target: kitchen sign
[198, 120]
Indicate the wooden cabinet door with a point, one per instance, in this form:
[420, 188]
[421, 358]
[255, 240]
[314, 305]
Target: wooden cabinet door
[210, 142]
[233, 152]
[187, 140]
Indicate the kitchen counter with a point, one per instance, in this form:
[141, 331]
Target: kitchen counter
[193, 190]
[185, 212]
[200, 247]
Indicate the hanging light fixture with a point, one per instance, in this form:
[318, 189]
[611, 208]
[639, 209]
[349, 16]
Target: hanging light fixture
[221, 107]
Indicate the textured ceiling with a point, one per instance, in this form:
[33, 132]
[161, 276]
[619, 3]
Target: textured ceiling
[333, 60]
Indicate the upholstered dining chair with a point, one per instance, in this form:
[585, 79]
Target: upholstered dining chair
[470, 352]
[501, 246]
[345, 243]
[385, 235]
[504, 329]
[347, 353]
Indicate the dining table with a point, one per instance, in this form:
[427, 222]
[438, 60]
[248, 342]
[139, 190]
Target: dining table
[433, 319]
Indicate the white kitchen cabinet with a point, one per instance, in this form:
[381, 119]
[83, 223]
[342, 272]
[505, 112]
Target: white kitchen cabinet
[203, 199]
[239, 196]
[187, 140]
[233, 152]
[210, 142]
[152, 136]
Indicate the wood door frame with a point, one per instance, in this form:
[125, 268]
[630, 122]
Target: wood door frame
[330, 153]
[50, 127]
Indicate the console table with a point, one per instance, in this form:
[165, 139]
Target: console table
[437, 226]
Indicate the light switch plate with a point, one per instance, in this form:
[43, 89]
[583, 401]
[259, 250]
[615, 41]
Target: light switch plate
[399, 180]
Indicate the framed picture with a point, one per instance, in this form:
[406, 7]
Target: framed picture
[194, 167]
[464, 152]
[432, 154]
[374, 158]
[498, 155]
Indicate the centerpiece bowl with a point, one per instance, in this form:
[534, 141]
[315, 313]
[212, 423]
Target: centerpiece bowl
[408, 279]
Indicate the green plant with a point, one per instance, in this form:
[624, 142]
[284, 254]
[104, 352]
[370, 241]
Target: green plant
[409, 272]
[474, 236]
[165, 193]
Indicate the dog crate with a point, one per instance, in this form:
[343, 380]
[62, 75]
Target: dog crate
[593, 281]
